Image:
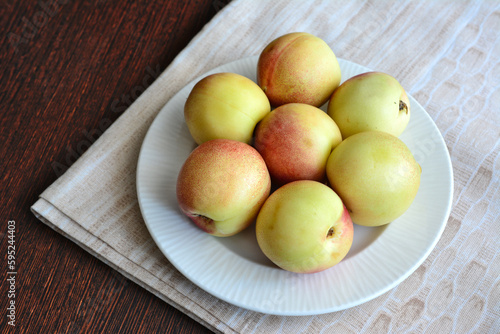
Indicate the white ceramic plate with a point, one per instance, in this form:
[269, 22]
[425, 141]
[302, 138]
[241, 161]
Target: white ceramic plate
[236, 271]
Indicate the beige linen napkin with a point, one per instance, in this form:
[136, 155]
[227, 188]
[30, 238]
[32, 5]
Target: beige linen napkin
[445, 53]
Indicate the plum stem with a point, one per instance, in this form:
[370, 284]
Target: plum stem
[205, 218]
[403, 106]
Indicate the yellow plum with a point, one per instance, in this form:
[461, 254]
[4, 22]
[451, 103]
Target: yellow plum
[225, 106]
[298, 68]
[303, 227]
[295, 141]
[376, 176]
[222, 185]
[372, 101]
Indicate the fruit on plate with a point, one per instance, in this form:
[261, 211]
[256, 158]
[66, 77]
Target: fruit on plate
[225, 105]
[303, 227]
[370, 101]
[222, 185]
[298, 67]
[376, 176]
[295, 141]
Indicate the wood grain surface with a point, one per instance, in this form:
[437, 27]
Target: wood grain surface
[68, 70]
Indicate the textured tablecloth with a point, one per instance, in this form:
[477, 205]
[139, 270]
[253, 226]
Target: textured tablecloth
[445, 53]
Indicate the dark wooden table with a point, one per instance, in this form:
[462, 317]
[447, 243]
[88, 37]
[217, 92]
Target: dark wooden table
[68, 70]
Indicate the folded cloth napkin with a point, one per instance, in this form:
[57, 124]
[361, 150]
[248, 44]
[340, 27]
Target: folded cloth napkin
[445, 53]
